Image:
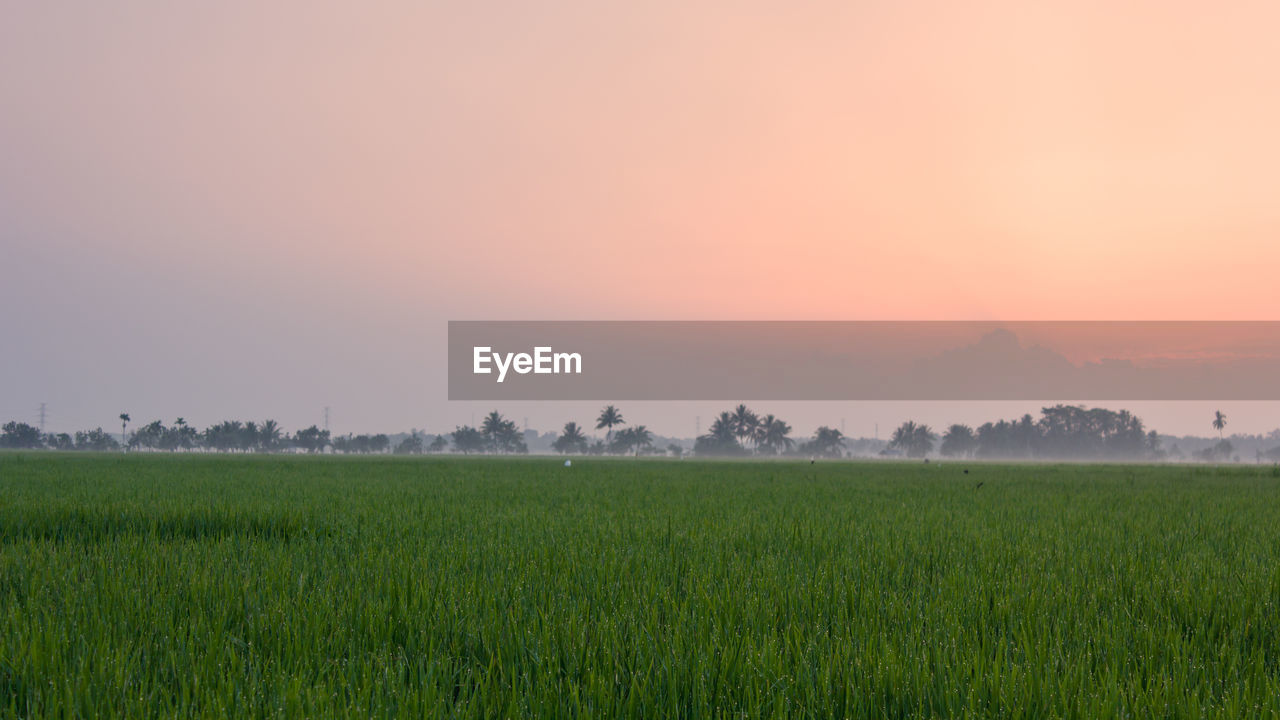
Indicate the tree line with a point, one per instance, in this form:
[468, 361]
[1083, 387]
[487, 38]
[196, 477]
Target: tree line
[227, 436]
[1061, 432]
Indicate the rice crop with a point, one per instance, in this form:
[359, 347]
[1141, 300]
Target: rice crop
[188, 585]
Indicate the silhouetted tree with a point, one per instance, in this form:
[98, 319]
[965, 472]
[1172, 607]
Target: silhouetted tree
[958, 441]
[229, 435]
[149, 436]
[744, 423]
[913, 440]
[634, 438]
[572, 440]
[269, 436]
[411, 445]
[97, 440]
[1069, 432]
[440, 444]
[1008, 439]
[721, 438]
[1219, 422]
[772, 435]
[179, 437]
[20, 436]
[248, 439]
[501, 434]
[467, 440]
[609, 417]
[361, 444]
[312, 439]
[826, 442]
[58, 441]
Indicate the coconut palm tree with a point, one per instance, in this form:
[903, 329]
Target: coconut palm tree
[269, 435]
[1219, 422]
[249, 436]
[633, 438]
[914, 440]
[501, 434]
[745, 423]
[572, 440]
[608, 418]
[959, 440]
[772, 435]
[722, 429]
[720, 438]
[826, 442]
[641, 438]
[124, 429]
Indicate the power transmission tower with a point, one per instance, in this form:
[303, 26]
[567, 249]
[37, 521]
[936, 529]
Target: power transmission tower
[326, 418]
[42, 414]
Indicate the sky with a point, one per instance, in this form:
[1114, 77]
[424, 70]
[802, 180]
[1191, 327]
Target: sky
[256, 210]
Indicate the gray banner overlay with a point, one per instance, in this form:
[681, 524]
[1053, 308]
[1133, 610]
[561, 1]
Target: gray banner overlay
[980, 360]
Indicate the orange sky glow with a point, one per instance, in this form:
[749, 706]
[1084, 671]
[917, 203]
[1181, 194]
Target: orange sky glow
[224, 175]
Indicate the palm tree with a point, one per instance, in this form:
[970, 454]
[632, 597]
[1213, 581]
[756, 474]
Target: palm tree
[124, 429]
[720, 438]
[500, 433]
[641, 438]
[572, 440]
[608, 418]
[722, 429]
[636, 438]
[745, 423]
[249, 436]
[958, 440]
[771, 434]
[269, 435]
[1219, 422]
[826, 442]
[493, 423]
[902, 437]
[914, 440]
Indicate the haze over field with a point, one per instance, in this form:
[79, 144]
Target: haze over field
[241, 210]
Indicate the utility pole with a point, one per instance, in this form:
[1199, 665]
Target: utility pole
[326, 418]
[41, 418]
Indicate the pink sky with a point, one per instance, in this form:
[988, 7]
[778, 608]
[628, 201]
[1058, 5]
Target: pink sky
[258, 209]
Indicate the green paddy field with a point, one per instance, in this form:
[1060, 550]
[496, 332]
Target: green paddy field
[266, 586]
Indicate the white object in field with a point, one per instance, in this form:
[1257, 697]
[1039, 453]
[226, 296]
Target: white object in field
[567, 463]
